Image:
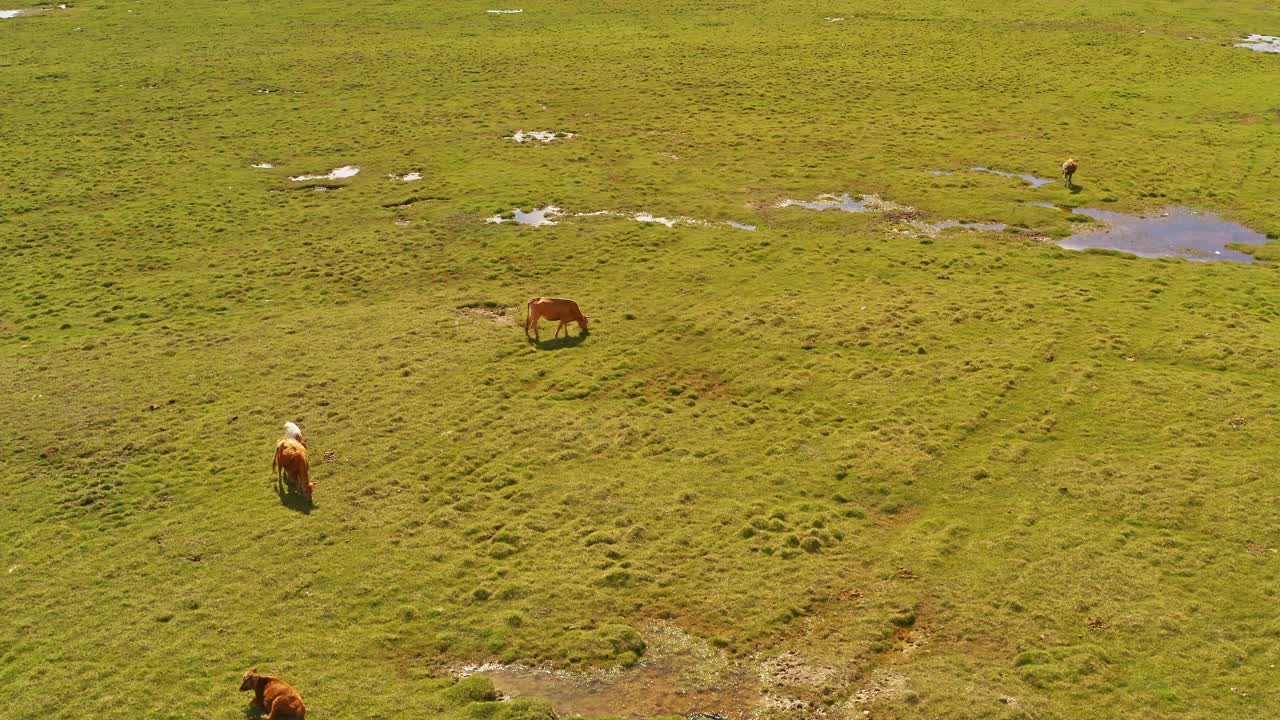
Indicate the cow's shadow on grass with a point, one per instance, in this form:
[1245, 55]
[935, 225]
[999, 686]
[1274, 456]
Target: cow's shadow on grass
[293, 500]
[1074, 188]
[559, 343]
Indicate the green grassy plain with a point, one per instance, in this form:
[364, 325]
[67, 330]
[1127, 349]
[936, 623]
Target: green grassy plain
[985, 465]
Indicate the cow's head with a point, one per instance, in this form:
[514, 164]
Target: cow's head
[250, 680]
[583, 323]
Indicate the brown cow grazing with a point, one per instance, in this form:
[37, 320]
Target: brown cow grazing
[1068, 169]
[274, 696]
[565, 311]
[292, 464]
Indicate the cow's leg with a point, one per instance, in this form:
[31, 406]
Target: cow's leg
[561, 327]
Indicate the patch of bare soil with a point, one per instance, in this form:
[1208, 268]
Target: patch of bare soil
[794, 688]
[889, 209]
[883, 686]
[680, 674]
[492, 312]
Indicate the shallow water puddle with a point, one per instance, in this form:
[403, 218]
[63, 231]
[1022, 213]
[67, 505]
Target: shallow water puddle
[407, 177]
[345, 171]
[521, 136]
[740, 226]
[1179, 232]
[262, 166]
[1032, 180]
[941, 172]
[533, 217]
[503, 12]
[1261, 43]
[829, 202]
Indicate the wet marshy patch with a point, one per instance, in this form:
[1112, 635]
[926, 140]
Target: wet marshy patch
[1032, 180]
[1261, 43]
[647, 218]
[536, 217]
[262, 166]
[341, 173]
[503, 12]
[551, 214]
[407, 177]
[1177, 232]
[411, 201]
[678, 675]
[932, 229]
[28, 12]
[315, 187]
[544, 136]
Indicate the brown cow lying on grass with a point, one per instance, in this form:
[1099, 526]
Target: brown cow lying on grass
[275, 696]
[291, 463]
[565, 311]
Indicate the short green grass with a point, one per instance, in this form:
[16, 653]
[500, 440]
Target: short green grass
[1055, 469]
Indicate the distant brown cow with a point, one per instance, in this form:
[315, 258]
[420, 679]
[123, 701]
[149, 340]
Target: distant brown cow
[291, 463]
[274, 696]
[565, 311]
[1068, 169]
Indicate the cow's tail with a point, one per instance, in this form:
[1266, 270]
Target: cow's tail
[278, 460]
